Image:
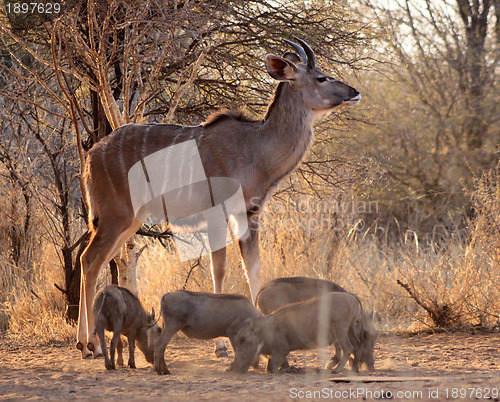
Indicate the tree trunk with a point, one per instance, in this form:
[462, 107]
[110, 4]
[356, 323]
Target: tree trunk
[102, 128]
[113, 268]
[497, 15]
[475, 20]
[72, 275]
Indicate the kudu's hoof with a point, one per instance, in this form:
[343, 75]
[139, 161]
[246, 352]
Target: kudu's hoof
[86, 353]
[96, 351]
[221, 353]
[96, 354]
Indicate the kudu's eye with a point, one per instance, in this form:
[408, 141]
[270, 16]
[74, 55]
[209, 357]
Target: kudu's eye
[321, 79]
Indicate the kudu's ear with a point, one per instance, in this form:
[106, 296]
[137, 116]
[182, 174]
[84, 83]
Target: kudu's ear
[280, 69]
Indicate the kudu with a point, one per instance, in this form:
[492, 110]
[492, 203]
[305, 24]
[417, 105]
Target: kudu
[258, 154]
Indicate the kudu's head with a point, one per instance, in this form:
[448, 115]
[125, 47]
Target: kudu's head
[321, 93]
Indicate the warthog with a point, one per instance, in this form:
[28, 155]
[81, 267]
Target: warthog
[117, 309]
[202, 316]
[330, 318]
[282, 291]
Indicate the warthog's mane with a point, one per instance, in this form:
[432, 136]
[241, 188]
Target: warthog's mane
[296, 279]
[123, 289]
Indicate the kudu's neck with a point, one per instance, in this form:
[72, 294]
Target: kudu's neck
[287, 128]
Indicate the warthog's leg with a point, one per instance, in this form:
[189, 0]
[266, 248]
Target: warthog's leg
[277, 360]
[218, 272]
[345, 345]
[104, 347]
[335, 358]
[119, 360]
[358, 350]
[170, 327]
[117, 329]
[131, 350]
[114, 342]
[356, 360]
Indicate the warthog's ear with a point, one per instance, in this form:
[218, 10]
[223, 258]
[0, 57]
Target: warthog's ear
[150, 319]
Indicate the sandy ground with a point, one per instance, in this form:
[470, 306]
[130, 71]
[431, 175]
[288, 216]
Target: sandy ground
[420, 367]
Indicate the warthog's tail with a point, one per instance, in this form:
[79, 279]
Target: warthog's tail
[352, 332]
[100, 309]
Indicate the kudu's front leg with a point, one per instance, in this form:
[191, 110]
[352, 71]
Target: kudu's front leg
[249, 246]
[218, 272]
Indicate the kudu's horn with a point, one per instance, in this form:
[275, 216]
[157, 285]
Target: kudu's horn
[299, 50]
[311, 59]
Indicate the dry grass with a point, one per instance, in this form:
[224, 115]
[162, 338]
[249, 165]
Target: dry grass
[453, 276]
[32, 308]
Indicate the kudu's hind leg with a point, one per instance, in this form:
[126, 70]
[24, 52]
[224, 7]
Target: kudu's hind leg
[91, 263]
[82, 331]
[102, 247]
[218, 272]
